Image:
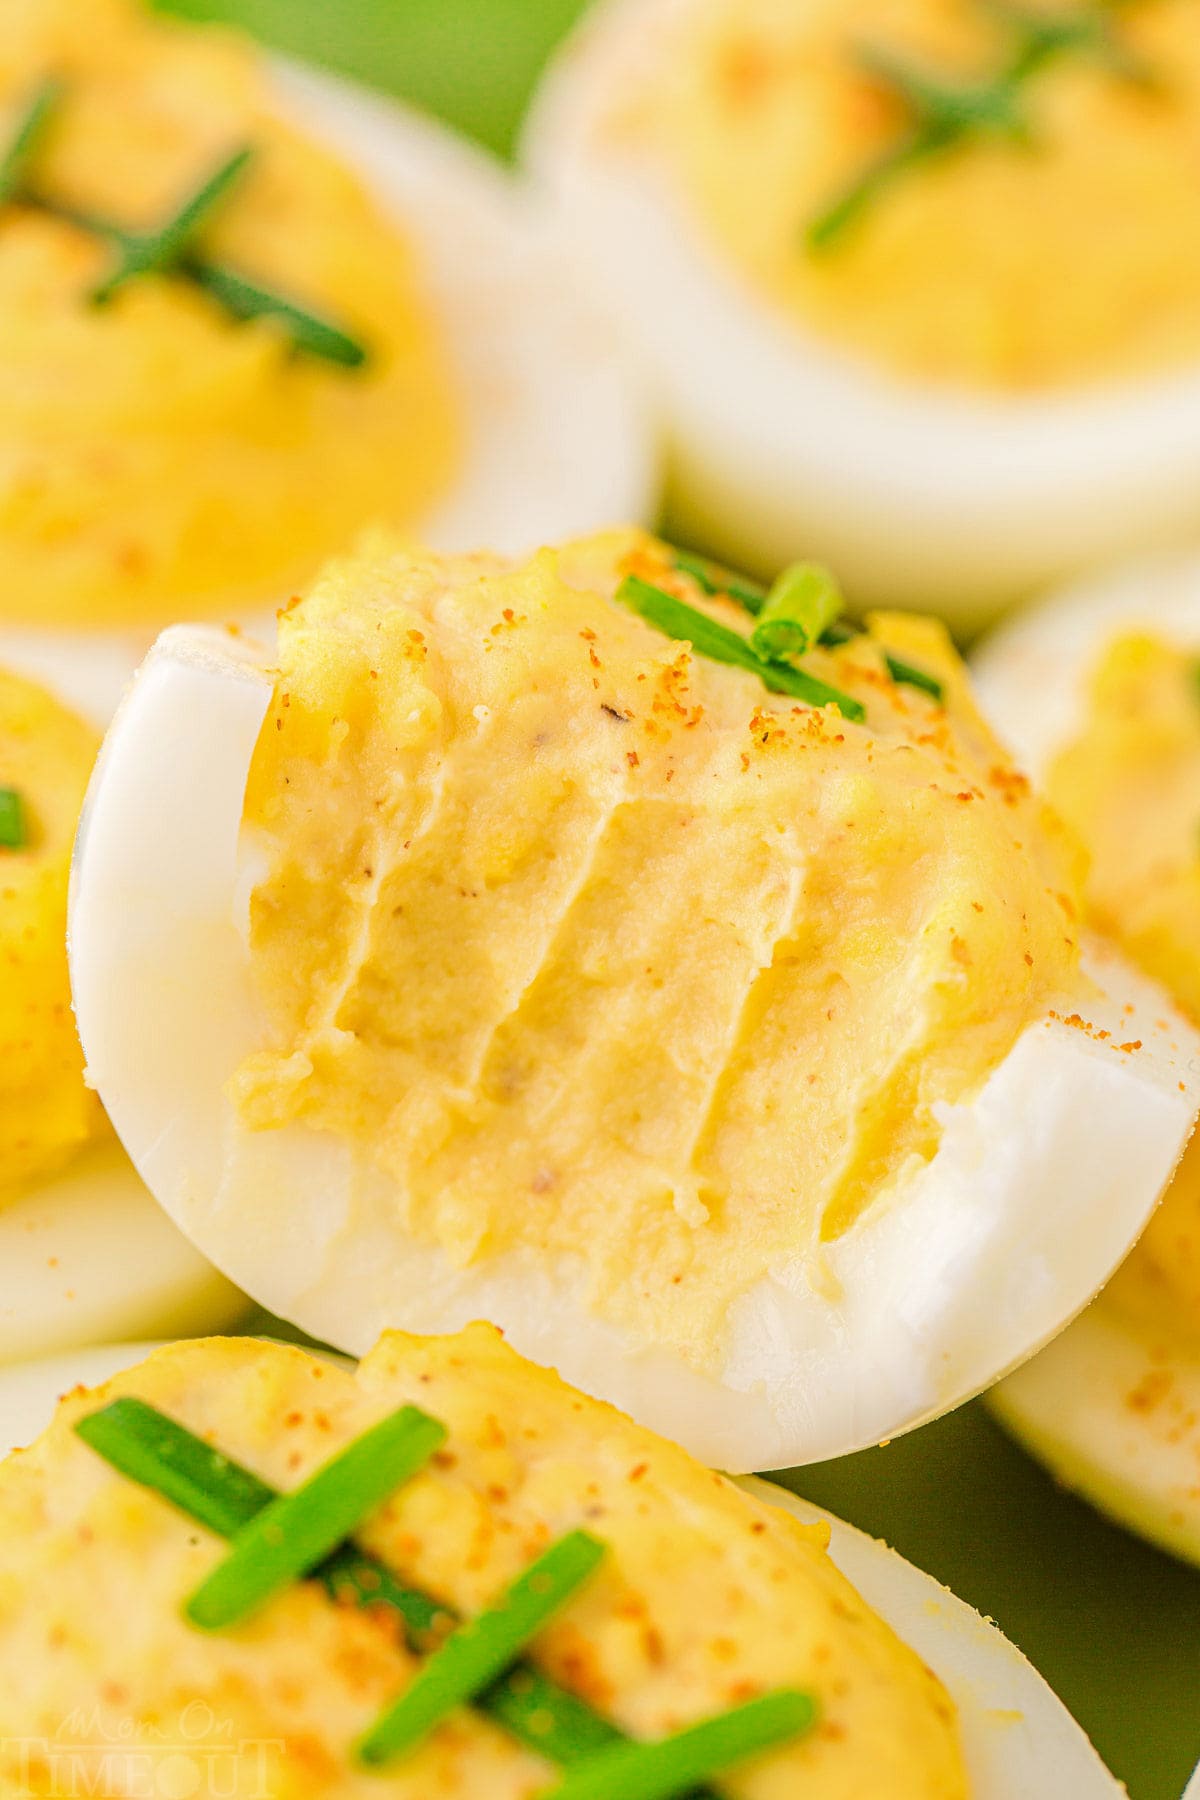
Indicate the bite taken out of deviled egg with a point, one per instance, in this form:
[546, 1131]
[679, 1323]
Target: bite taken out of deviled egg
[918, 285]
[85, 1254]
[552, 941]
[1099, 693]
[639, 1625]
[246, 311]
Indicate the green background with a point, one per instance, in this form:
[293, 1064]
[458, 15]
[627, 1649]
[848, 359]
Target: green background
[1112, 1625]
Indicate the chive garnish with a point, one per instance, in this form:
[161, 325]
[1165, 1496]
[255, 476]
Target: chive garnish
[31, 126]
[158, 252]
[711, 579]
[295, 1533]
[802, 604]
[308, 330]
[168, 251]
[669, 1768]
[12, 820]
[908, 675]
[717, 642]
[151, 1449]
[481, 1649]
[944, 115]
[160, 1454]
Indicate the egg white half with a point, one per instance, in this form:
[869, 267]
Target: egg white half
[973, 1261]
[783, 445]
[1114, 1405]
[87, 1255]
[1017, 1736]
[557, 436]
[1193, 1786]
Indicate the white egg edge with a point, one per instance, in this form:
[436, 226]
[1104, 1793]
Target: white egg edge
[1017, 1736]
[1193, 1787]
[787, 445]
[1070, 1405]
[1112, 1407]
[88, 1256]
[940, 1297]
[558, 436]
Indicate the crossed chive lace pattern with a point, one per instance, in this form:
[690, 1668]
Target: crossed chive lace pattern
[305, 1535]
[945, 115]
[171, 248]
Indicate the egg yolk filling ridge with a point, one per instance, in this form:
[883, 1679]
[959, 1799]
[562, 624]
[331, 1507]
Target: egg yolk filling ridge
[46, 1112]
[603, 953]
[1129, 785]
[157, 453]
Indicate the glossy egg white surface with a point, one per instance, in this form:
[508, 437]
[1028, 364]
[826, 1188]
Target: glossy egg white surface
[783, 446]
[1017, 1737]
[87, 1256]
[972, 1262]
[1113, 1407]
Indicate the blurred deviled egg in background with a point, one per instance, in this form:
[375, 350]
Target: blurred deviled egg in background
[918, 284]
[658, 968]
[1098, 691]
[245, 311]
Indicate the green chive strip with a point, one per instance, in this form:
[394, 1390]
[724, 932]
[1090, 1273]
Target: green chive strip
[31, 128]
[159, 252]
[802, 604]
[297, 1531]
[12, 820]
[944, 115]
[672, 1766]
[711, 579]
[907, 674]
[717, 642]
[1041, 38]
[242, 299]
[479, 1652]
[164, 1456]
[307, 330]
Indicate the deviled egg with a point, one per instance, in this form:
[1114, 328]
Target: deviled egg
[1099, 693]
[917, 284]
[636, 1620]
[85, 1254]
[551, 941]
[247, 310]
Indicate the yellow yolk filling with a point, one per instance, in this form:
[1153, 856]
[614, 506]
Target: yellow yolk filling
[599, 950]
[155, 454]
[1129, 785]
[706, 1596]
[46, 1113]
[1009, 265]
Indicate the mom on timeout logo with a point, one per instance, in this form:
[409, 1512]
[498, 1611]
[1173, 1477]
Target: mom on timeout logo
[98, 1755]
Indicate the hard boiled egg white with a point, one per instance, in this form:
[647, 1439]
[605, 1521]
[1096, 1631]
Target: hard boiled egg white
[782, 444]
[1016, 1735]
[1113, 1406]
[556, 437]
[1040, 1184]
[86, 1255]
